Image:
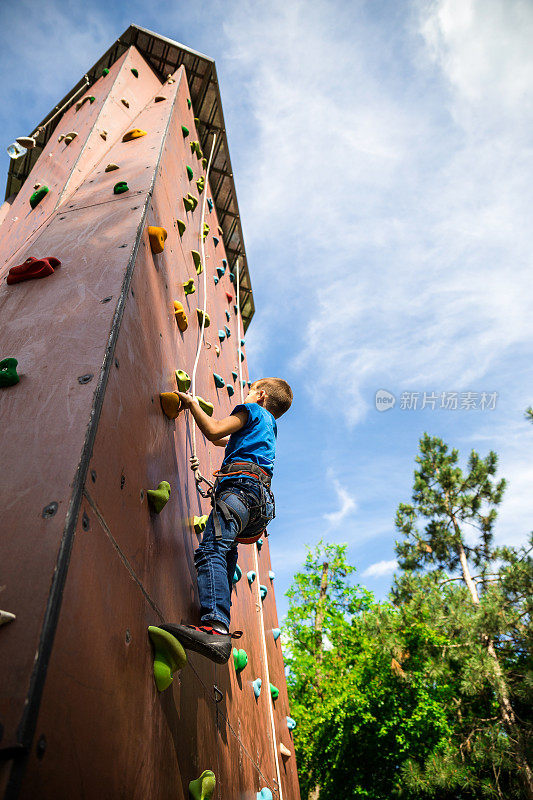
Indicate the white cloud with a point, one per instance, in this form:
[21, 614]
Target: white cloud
[347, 504]
[380, 568]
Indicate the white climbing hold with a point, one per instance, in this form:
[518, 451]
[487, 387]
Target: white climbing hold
[6, 616]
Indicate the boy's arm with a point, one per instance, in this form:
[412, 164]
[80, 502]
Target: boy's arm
[213, 429]
[221, 442]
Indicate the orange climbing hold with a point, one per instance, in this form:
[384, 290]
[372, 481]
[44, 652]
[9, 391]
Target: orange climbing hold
[170, 403]
[181, 317]
[229, 297]
[157, 238]
[135, 133]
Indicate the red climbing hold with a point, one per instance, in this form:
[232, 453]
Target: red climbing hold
[230, 297]
[33, 268]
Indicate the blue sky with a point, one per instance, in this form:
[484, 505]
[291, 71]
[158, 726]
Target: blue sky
[382, 155]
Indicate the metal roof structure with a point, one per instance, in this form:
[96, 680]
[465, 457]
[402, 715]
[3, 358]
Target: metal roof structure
[165, 56]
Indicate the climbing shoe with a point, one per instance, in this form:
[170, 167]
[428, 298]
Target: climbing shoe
[204, 640]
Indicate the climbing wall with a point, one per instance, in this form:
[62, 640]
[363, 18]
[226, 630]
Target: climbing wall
[85, 564]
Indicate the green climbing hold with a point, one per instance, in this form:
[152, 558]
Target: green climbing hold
[203, 788]
[8, 372]
[120, 187]
[105, 72]
[169, 656]
[197, 261]
[184, 130]
[189, 104]
[240, 659]
[274, 691]
[237, 575]
[201, 184]
[203, 316]
[219, 381]
[181, 226]
[190, 173]
[189, 287]
[199, 523]
[158, 498]
[206, 406]
[183, 380]
[135, 72]
[230, 390]
[38, 195]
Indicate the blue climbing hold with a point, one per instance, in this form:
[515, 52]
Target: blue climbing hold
[219, 381]
[271, 574]
[228, 332]
[224, 263]
[210, 204]
[257, 686]
[231, 390]
[221, 271]
[221, 335]
[291, 724]
[264, 794]
[215, 279]
[216, 241]
[237, 575]
[232, 277]
[234, 375]
[228, 316]
[263, 591]
[276, 633]
[242, 356]
[242, 342]
[243, 384]
[251, 576]
[259, 541]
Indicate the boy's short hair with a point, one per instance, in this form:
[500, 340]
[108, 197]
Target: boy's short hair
[279, 395]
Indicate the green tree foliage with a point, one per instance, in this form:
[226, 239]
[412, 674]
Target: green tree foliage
[428, 695]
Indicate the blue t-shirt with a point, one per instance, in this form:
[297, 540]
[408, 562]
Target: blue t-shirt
[256, 440]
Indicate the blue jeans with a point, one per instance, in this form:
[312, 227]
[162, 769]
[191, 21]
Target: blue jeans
[216, 559]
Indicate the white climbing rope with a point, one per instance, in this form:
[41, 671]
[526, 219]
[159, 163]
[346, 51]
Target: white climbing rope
[195, 464]
[258, 602]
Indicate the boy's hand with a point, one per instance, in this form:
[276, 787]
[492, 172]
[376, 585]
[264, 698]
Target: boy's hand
[186, 399]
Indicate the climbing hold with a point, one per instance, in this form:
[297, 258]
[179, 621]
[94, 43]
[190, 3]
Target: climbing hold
[135, 133]
[220, 271]
[232, 277]
[210, 204]
[189, 104]
[181, 317]
[259, 541]
[215, 240]
[60, 138]
[291, 724]
[285, 752]
[243, 384]
[228, 332]
[224, 263]
[33, 268]
[183, 380]
[274, 691]
[6, 616]
[111, 167]
[199, 523]
[159, 98]
[103, 134]
[206, 406]
[242, 356]
[38, 195]
[189, 287]
[251, 576]
[276, 633]
[230, 389]
[158, 498]
[229, 297]
[80, 103]
[105, 72]
[257, 686]
[124, 102]
[197, 261]
[263, 591]
[135, 72]
[204, 162]
[242, 342]
[190, 173]
[203, 317]
[170, 79]
[217, 350]
[240, 659]
[190, 202]
[69, 137]
[181, 226]
[221, 335]
[203, 788]
[120, 187]
[227, 316]
[169, 656]
[8, 372]
[250, 386]
[234, 375]
[219, 381]
[271, 574]
[170, 403]
[264, 794]
[195, 148]
[206, 231]
[215, 279]
[197, 120]
[157, 238]
[184, 130]
[200, 184]
[237, 575]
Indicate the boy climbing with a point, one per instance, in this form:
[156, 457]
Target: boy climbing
[243, 505]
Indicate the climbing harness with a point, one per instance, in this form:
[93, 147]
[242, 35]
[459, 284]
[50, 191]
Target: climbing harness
[259, 519]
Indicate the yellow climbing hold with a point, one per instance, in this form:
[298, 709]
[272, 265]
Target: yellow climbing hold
[170, 403]
[158, 498]
[69, 137]
[125, 102]
[169, 656]
[190, 202]
[200, 184]
[181, 226]
[206, 406]
[189, 287]
[285, 752]
[157, 238]
[199, 523]
[111, 167]
[159, 98]
[103, 134]
[181, 317]
[183, 380]
[203, 788]
[135, 133]
[197, 262]
[201, 315]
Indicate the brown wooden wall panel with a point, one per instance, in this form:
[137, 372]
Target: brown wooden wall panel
[103, 567]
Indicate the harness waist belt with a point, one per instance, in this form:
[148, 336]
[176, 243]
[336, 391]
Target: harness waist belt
[244, 468]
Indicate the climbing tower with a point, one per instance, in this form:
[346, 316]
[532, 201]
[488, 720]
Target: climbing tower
[122, 263]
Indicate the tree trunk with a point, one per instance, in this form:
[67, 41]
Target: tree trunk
[314, 794]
